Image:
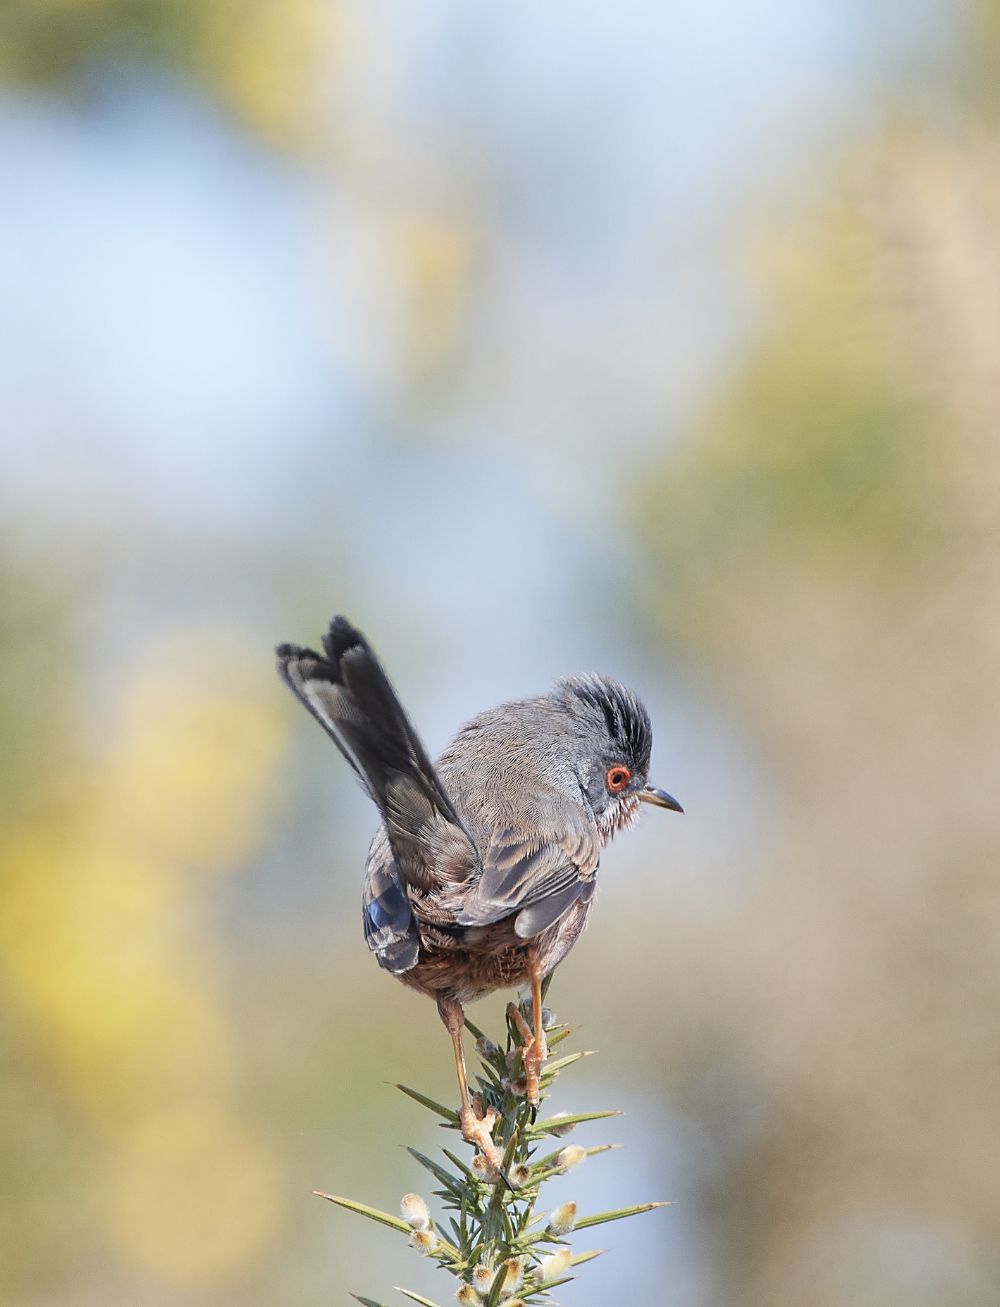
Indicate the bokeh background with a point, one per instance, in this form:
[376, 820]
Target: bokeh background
[658, 339]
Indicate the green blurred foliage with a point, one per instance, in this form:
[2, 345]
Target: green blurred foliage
[39, 643]
[982, 59]
[48, 41]
[824, 553]
[815, 461]
[262, 59]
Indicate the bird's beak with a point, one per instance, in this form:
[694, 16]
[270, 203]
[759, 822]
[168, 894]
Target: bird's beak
[659, 798]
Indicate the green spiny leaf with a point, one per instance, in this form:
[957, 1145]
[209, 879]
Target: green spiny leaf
[551, 1284]
[551, 1123]
[373, 1214]
[510, 1150]
[446, 1112]
[617, 1215]
[559, 1035]
[459, 1163]
[496, 1288]
[548, 1163]
[367, 1302]
[553, 1068]
[426, 1302]
[446, 1177]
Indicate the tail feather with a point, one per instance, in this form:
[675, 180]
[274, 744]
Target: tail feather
[349, 694]
[367, 682]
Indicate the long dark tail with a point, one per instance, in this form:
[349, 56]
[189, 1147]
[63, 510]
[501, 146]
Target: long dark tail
[349, 694]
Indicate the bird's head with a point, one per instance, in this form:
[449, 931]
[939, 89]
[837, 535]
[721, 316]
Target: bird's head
[613, 741]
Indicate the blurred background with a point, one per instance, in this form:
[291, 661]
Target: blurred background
[655, 339]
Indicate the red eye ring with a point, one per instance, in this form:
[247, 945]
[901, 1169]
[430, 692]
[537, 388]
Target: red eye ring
[618, 778]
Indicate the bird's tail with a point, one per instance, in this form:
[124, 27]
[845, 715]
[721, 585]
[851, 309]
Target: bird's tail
[349, 694]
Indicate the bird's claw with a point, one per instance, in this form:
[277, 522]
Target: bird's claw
[477, 1128]
[534, 1051]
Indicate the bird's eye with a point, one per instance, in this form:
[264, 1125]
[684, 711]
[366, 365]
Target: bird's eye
[618, 778]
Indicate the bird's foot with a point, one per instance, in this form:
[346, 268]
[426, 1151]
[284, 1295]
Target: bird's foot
[477, 1128]
[534, 1051]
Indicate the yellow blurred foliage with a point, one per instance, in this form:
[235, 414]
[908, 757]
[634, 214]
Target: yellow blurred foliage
[105, 974]
[437, 265]
[190, 1193]
[87, 950]
[192, 772]
[269, 58]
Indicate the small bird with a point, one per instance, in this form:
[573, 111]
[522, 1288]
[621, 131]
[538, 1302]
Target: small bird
[482, 873]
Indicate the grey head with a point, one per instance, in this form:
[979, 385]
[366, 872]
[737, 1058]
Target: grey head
[514, 767]
[613, 740]
[541, 785]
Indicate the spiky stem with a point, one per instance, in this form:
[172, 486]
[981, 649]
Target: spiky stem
[493, 1248]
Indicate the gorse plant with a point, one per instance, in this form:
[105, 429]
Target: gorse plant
[501, 1250]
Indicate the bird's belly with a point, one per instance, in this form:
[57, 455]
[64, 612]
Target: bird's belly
[498, 959]
[495, 958]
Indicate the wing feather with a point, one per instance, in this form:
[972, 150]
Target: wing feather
[391, 931]
[537, 877]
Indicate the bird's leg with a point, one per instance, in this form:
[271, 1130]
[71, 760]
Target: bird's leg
[534, 1050]
[476, 1127]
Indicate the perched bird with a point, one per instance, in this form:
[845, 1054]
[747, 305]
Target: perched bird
[482, 873]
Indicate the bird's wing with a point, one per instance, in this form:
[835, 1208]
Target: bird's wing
[538, 878]
[349, 694]
[391, 932]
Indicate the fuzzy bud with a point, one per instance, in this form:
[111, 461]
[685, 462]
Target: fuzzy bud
[485, 1047]
[519, 1087]
[559, 1130]
[482, 1170]
[482, 1280]
[571, 1156]
[548, 1018]
[514, 1278]
[425, 1241]
[520, 1175]
[414, 1212]
[562, 1219]
[551, 1267]
[467, 1296]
